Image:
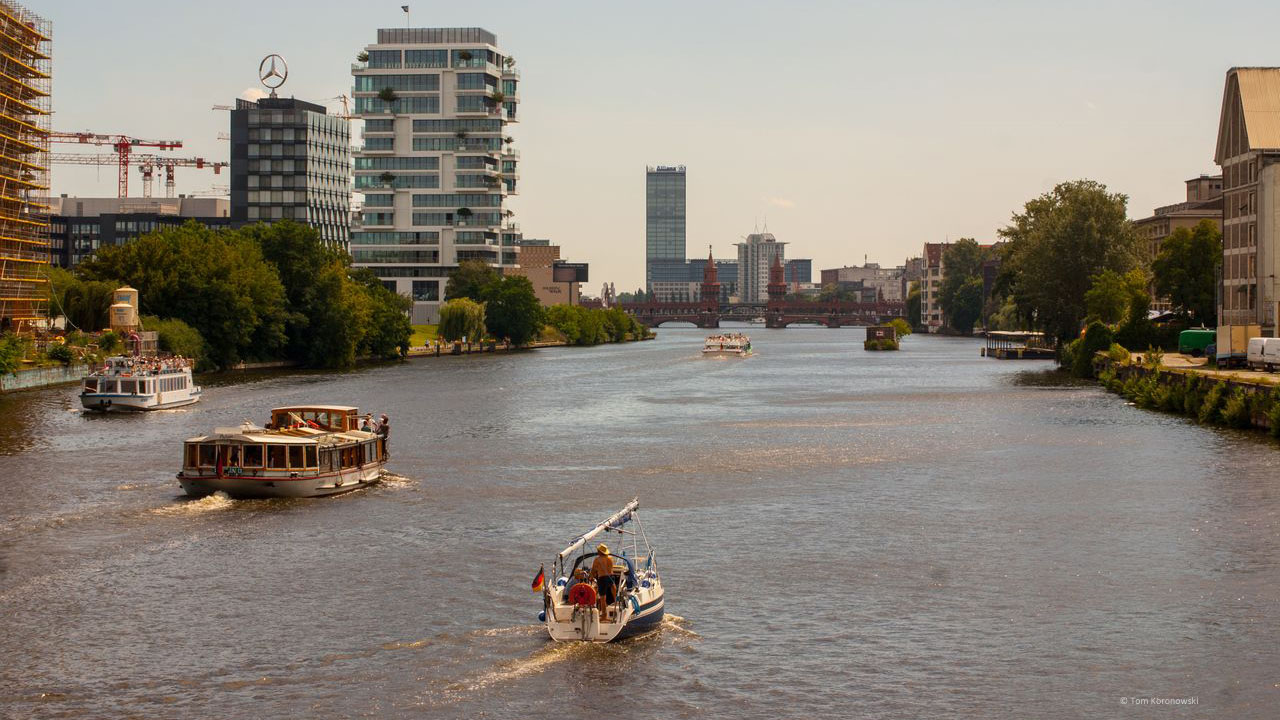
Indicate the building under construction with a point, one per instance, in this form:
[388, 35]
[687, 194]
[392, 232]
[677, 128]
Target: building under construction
[25, 70]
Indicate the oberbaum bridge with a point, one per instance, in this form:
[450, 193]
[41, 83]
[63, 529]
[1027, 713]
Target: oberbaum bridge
[778, 312]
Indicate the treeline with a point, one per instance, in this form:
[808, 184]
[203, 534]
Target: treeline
[481, 303]
[260, 293]
[1072, 259]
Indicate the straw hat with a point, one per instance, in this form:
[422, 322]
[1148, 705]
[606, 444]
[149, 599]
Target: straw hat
[602, 549]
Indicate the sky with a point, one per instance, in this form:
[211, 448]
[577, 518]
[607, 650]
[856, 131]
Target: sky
[853, 129]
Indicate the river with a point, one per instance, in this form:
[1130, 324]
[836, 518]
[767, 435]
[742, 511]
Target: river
[924, 533]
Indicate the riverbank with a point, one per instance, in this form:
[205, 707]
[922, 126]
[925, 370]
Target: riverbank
[1229, 398]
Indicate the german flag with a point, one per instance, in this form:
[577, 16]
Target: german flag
[539, 579]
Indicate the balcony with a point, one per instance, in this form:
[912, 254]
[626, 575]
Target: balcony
[511, 72]
[510, 152]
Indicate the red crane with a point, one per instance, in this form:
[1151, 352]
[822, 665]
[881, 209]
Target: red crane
[122, 144]
[147, 165]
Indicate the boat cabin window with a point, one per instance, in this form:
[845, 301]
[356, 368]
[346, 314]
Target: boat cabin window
[192, 455]
[295, 456]
[253, 456]
[107, 386]
[328, 459]
[208, 455]
[91, 385]
[275, 457]
[126, 386]
[371, 452]
[311, 456]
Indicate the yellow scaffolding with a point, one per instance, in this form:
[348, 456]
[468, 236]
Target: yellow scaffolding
[25, 70]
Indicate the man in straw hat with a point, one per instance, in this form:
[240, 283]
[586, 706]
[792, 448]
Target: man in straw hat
[606, 583]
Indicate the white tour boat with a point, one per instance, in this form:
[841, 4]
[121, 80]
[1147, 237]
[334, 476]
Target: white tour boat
[139, 383]
[572, 606]
[758, 320]
[305, 451]
[726, 345]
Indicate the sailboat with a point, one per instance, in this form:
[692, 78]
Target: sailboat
[572, 606]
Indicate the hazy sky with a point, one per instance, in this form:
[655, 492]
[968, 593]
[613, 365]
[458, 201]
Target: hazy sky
[855, 128]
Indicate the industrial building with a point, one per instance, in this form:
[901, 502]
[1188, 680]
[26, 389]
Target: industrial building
[79, 226]
[25, 72]
[537, 262]
[436, 167]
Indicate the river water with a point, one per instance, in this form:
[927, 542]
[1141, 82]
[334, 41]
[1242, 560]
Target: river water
[842, 534]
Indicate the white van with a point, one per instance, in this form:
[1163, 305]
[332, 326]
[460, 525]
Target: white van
[1253, 357]
[1271, 354]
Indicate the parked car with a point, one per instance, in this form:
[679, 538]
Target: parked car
[1253, 354]
[1271, 354]
[1194, 341]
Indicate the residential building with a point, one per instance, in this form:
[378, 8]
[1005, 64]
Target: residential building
[291, 160]
[1204, 202]
[887, 282]
[1248, 151]
[931, 285]
[25, 71]
[79, 226]
[436, 167]
[755, 256]
[913, 271]
[664, 243]
[537, 258]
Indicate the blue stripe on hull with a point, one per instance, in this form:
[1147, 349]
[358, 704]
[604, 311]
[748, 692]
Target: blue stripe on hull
[643, 624]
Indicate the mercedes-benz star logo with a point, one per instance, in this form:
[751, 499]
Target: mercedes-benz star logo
[273, 71]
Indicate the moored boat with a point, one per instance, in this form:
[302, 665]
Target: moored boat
[602, 595]
[306, 451]
[139, 383]
[727, 345]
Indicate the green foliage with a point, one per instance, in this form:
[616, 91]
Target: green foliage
[1118, 353]
[512, 310]
[388, 95]
[880, 344]
[966, 305]
[1211, 405]
[462, 317]
[12, 350]
[1097, 338]
[217, 282]
[108, 342]
[61, 353]
[86, 304]
[1186, 271]
[471, 279]
[900, 326]
[580, 326]
[1107, 298]
[1057, 244]
[914, 305]
[1237, 411]
[177, 337]
[1273, 413]
[963, 263]
[389, 330]
[1004, 316]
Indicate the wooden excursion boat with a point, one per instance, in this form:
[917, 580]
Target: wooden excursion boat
[305, 451]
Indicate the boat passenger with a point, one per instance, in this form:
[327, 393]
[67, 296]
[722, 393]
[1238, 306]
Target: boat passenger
[364, 425]
[384, 431]
[606, 583]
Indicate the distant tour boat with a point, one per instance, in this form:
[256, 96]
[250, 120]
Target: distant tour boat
[307, 451]
[758, 321]
[139, 383]
[727, 345]
[633, 600]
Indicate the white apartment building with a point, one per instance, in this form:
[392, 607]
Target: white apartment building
[755, 257]
[436, 166]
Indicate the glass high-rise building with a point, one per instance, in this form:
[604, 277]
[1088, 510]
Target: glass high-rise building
[436, 167]
[291, 160]
[664, 243]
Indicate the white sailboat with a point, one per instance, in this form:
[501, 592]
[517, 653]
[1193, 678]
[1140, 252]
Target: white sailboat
[572, 606]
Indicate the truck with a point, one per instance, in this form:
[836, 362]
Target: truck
[1193, 342]
[1233, 344]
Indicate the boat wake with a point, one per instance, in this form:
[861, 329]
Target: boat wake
[208, 503]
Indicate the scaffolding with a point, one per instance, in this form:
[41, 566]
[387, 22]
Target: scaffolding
[25, 71]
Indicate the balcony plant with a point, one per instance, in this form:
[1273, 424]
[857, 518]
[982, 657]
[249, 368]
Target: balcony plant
[464, 57]
[387, 179]
[362, 56]
[461, 134]
[388, 95]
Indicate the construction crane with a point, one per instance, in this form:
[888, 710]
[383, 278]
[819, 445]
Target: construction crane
[147, 166]
[122, 144]
[346, 107]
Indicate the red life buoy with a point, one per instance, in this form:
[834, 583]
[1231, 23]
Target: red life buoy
[582, 595]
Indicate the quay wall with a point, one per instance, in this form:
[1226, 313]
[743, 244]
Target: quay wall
[1208, 397]
[42, 377]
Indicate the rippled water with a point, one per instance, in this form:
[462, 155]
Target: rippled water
[842, 534]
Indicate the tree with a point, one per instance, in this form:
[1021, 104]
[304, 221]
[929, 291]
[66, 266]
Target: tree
[1107, 299]
[913, 304]
[512, 310]
[177, 337]
[462, 317]
[966, 306]
[217, 282]
[1057, 244]
[962, 262]
[389, 327]
[471, 279]
[12, 350]
[1186, 271]
[86, 304]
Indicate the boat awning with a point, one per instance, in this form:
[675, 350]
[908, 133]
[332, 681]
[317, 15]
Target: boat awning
[235, 435]
[615, 522]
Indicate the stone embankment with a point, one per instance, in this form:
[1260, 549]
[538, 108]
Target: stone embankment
[1187, 386]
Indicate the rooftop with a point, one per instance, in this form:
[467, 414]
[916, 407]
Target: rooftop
[436, 36]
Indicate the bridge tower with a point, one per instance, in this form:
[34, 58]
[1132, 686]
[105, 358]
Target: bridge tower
[777, 282]
[710, 284]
